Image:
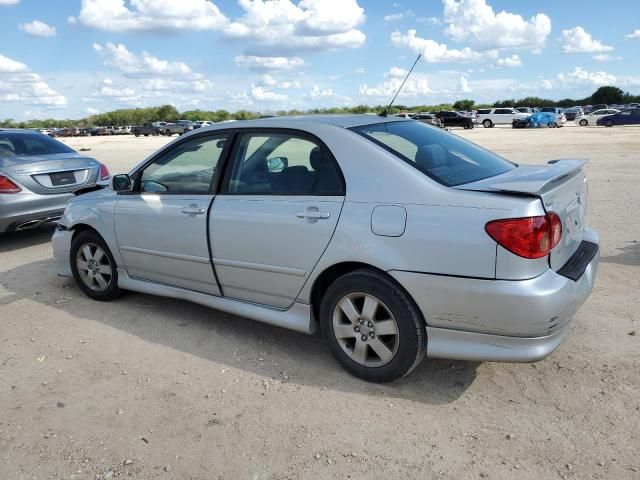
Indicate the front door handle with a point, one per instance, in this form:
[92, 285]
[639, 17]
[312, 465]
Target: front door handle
[193, 209]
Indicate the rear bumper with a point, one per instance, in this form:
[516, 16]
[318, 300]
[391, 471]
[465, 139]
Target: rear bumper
[19, 208]
[498, 320]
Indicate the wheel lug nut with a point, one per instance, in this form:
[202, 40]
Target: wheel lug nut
[370, 324]
[364, 338]
[357, 329]
[372, 334]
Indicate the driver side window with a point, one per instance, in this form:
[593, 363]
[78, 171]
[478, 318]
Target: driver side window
[188, 168]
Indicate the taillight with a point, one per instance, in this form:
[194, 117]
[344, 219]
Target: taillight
[7, 186]
[104, 172]
[528, 237]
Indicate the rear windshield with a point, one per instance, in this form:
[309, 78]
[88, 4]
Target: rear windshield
[23, 143]
[443, 156]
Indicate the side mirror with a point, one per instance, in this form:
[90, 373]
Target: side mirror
[121, 183]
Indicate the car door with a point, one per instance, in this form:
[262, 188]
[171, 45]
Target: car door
[161, 226]
[277, 211]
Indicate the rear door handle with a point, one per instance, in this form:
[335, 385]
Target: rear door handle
[314, 215]
[193, 209]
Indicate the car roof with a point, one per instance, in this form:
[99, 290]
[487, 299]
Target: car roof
[345, 121]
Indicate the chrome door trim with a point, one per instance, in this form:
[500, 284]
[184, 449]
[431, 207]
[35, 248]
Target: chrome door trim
[176, 256]
[260, 267]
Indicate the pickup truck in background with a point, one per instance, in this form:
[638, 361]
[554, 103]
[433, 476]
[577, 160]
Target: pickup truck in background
[146, 129]
[489, 117]
[180, 127]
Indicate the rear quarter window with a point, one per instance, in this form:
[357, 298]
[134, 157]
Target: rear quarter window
[443, 156]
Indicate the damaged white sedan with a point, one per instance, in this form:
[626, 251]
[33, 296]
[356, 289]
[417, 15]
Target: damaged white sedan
[395, 239]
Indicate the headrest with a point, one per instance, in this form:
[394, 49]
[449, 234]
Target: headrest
[315, 158]
[431, 156]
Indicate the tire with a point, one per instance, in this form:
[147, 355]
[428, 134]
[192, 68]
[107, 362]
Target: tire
[146, 134]
[402, 348]
[186, 130]
[167, 133]
[608, 123]
[467, 126]
[94, 267]
[487, 123]
[583, 123]
[136, 133]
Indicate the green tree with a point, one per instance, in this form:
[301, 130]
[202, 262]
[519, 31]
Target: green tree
[464, 104]
[607, 95]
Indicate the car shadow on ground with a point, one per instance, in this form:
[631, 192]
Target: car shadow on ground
[12, 241]
[629, 255]
[229, 340]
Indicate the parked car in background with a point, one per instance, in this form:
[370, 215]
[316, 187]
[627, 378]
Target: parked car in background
[202, 123]
[98, 131]
[37, 177]
[598, 106]
[536, 120]
[180, 127]
[46, 131]
[455, 119]
[489, 117]
[572, 113]
[587, 119]
[509, 259]
[428, 118]
[527, 110]
[147, 129]
[560, 117]
[630, 116]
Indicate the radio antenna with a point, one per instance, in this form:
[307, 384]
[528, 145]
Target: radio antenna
[386, 110]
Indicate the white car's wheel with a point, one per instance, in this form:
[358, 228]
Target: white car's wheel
[487, 123]
[583, 123]
[93, 266]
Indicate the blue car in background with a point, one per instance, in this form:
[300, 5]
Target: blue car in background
[538, 120]
[630, 116]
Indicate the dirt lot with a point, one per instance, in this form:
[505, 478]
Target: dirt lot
[147, 387]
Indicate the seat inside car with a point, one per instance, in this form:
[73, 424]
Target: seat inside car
[430, 157]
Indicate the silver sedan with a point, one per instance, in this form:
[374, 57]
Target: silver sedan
[37, 177]
[393, 238]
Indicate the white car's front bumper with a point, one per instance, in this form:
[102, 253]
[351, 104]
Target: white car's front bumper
[61, 242]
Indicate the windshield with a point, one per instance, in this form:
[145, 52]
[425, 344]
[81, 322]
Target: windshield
[443, 156]
[25, 144]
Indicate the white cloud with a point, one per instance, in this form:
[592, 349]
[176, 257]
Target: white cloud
[317, 92]
[150, 15]
[579, 77]
[8, 65]
[268, 81]
[512, 61]
[430, 20]
[38, 29]
[392, 17]
[475, 22]
[278, 27]
[578, 40]
[604, 57]
[416, 85]
[464, 85]
[18, 84]
[266, 64]
[9, 2]
[146, 65]
[360, 71]
[434, 52]
[262, 95]
[92, 111]
[634, 34]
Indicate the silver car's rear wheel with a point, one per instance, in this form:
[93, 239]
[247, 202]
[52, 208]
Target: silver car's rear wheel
[365, 329]
[94, 267]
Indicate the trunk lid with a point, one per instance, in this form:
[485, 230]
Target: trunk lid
[52, 173]
[562, 188]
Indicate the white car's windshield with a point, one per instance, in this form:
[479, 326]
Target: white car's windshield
[446, 158]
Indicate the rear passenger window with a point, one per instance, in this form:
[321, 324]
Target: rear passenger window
[484, 111]
[283, 164]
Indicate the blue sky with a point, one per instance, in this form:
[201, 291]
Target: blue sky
[72, 58]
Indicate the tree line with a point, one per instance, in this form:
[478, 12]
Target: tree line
[168, 113]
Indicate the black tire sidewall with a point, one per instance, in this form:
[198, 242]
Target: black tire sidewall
[113, 291]
[411, 327]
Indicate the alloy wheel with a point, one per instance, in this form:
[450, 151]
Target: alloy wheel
[365, 329]
[94, 267]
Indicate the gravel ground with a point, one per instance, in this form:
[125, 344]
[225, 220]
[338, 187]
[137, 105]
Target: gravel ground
[147, 387]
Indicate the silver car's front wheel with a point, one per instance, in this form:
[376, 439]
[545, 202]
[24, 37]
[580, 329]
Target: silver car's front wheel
[94, 267]
[365, 329]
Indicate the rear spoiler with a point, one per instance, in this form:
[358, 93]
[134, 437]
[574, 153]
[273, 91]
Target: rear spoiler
[529, 179]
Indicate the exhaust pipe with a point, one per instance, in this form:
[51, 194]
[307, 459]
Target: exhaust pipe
[30, 224]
